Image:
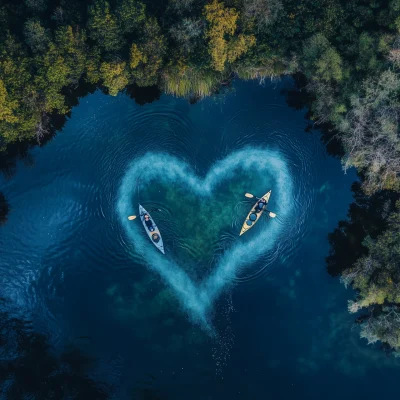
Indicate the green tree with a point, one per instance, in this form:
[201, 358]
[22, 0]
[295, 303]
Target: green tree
[321, 61]
[115, 76]
[151, 48]
[261, 13]
[131, 14]
[376, 278]
[103, 27]
[21, 93]
[367, 53]
[187, 33]
[7, 106]
[53, 74]
[71, 45]
[92, 68]
[36, 36]
[36, 5]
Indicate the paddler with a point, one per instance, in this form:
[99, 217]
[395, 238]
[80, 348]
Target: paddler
[148, 222]
[261, 204]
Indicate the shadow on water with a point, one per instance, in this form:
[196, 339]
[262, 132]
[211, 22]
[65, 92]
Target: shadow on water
[21, 151]
[367, 216]
[30, 369]
[4, 209]
[299, 98]
[143, 95]
[13, 153]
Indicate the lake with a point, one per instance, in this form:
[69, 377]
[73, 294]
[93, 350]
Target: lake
[219, 315]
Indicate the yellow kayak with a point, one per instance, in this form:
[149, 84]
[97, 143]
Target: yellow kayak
[255, 214]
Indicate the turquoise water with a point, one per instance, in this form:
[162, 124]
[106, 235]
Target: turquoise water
[219, 316]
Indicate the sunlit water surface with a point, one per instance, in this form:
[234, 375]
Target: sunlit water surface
[219, 316]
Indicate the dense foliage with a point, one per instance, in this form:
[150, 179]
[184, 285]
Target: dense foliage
[376, 276]
[349, 51]
[365, 251]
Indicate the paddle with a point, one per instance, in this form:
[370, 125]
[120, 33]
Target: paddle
[251, 196]
[132, 217]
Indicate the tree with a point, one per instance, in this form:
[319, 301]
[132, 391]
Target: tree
[370, 132]
[72, 47]
[7, 106]
[187, 33]
[181, 6]
[115, 76]
[147, 55]
[36, 5]
[131, 14]
[321, 61]
[103, 26]
[93, 61]
[136, 56]
[21, 95]
[367, 53]
[222, 24]
[262, 13]
[36, 36]
[238, 46]
[376, 276]
[53, 74]
[383, 326]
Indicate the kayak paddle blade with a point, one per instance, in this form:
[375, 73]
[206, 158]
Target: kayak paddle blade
[249, 195]
[272, 215]
[132, 217]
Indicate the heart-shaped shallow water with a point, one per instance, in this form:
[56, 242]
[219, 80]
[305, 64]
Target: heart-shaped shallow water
[197, 297]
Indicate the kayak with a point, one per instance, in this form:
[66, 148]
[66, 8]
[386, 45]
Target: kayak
[253, 216]
[154, 235]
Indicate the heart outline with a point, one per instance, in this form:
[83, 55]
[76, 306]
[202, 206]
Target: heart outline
[197, 300]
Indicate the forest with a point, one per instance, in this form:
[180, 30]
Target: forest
[347, 53]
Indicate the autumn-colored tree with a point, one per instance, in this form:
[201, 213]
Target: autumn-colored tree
[238, 46]
[222, 27]
[136, 56]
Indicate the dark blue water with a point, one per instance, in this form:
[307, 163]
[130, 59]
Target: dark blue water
[218, 316]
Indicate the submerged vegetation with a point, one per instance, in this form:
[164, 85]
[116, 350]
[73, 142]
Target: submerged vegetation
[349, 52]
